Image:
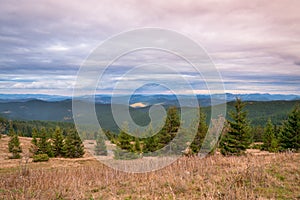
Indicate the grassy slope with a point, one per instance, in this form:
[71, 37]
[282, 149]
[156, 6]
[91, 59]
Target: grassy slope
[250, 177]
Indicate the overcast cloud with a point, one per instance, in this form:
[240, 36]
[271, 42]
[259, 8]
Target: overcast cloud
[254, 44]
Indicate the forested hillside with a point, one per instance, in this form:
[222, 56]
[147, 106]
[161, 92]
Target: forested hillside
[259, 112]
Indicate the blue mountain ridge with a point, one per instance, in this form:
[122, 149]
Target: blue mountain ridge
[151, 98]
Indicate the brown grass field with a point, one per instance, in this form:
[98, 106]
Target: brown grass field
[255, 176]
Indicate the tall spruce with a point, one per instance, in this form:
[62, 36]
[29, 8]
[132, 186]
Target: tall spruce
[137, 145]
[14, 145]
[73, 147]
[58, 142]
[100, 148]
[290, 134]
[238, 138]
[3, 125]
[170, 128]
[44, 144]
[200, 135]
[150, 144]
[34, 142]
[124, 141]
[270, 142]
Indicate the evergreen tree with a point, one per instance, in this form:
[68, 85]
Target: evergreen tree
[3, 125]
[73, 147]
[170, 127]
[200, 135]
[137, 145]
[124, 141]
[100, 148]
[14, 145]
[58, 142]
[11, 134]
[44, 145]
[34, 142]
[150, 144]
[237, 139]
[290, 135]
[112, 137]
[270, 142]
[172, 121]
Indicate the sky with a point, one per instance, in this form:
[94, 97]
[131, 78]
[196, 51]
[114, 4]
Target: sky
[254, 44]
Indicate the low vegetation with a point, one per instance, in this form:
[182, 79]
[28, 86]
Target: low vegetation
[258, 175]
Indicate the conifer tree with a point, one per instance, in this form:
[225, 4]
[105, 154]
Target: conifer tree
[58, 142]
[124, 141]
[137, 145]
[170, 127]
[150, 144]
[270, 142]
[100, 148]
[200, 135]
[14, 145]
[44, 145]
[3, 125]
[237, 139]
[34, 142]
[290, 134]
[73, 147]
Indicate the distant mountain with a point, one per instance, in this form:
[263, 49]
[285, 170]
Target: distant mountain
[259, 111]
[29, 97]
[204, 100]
[167, 100]
[262, 97]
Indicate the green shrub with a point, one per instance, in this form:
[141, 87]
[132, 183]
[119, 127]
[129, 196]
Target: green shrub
[120, 154]
[256, 146]
[40, 158]
[15, 156]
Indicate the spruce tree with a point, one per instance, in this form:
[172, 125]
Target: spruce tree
[237, 139]
[14, 145]
[150, 144]
[290, 134]
[11, 143]
[44, 145]
[170, 128]
[58, 142]
[3, 125]
[137, 145]
[124, 141]
[34, 142]
[100, 148]
[73, 147]
[270, 142]
[200, 135]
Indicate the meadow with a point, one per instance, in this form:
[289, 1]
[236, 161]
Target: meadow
[258, 175]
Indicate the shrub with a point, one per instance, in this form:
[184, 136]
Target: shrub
[120, 154]
[40, 158]
[15, 156]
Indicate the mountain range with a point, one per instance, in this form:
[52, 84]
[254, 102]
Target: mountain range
[57, 108]
[165, 99]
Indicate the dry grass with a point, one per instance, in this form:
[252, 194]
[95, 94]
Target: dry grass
[266, 176]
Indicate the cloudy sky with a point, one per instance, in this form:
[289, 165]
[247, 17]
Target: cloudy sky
[254, 44]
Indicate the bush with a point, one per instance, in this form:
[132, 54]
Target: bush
[40, 158]
[120, 154]
[256, 146]
[15, 156]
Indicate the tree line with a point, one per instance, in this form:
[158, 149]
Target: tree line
[237, 135]
[45, 145]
